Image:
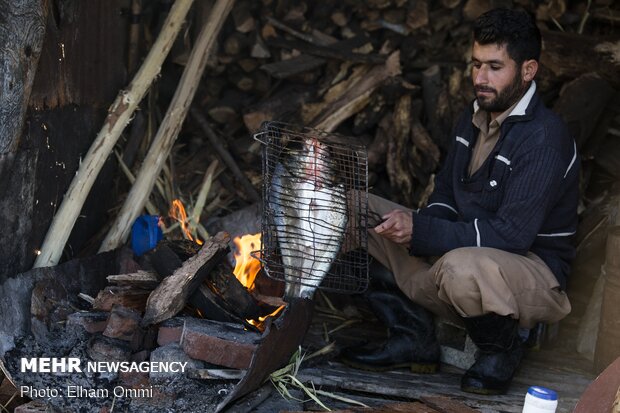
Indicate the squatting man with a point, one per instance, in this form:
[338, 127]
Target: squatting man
[500, 221]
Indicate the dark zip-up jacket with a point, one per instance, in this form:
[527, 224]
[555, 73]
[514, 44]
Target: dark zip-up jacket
[523, 198]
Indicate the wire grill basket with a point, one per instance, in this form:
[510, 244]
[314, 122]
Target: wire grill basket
[314, 210]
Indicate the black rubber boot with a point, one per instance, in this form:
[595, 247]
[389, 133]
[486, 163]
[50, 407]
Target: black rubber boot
[501, 350]
[411, 343]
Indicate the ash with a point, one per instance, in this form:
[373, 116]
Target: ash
[165, 395]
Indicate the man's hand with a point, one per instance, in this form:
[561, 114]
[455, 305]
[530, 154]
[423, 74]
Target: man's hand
[397, 226]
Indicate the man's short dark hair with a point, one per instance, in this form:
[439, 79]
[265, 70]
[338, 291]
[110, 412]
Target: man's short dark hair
[513, 28]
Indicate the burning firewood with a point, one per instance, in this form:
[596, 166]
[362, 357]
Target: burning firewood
[172, 294]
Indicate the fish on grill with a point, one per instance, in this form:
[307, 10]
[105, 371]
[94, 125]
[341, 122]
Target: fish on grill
[310, 215]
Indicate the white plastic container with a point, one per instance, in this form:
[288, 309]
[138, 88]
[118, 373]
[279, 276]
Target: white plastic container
[540, 400]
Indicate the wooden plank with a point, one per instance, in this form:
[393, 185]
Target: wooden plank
[404, 384]
[173, 292]
[447, 405]
[404, 407]
[140, 279]
[86, 69]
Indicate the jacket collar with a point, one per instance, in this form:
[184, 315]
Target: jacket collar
[521, 109]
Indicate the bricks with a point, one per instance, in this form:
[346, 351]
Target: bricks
[170, 331]
[123, 323]
[172, 353]
[224, 344]
[102, 348]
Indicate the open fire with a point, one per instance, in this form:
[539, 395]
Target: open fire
[247, 267]
[177, 212]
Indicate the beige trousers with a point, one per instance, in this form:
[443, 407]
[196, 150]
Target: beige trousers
[472, 281]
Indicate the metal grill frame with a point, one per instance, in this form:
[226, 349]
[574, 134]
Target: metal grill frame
[349, 272]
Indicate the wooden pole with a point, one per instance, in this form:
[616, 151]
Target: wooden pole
[118, 117]
[169, 128]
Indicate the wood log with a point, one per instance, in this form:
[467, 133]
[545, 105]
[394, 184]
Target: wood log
[356, 99]
[377, 150]
[294, 66]
[146, 280]
[426, 152]
[173, 292]
[169, 128]
[236, 44]
[399, 146]
[125, 296]
[309, 38]
[435, 95]
[417, 15]
[339, 86]
[581, 103]
[570, 55]
[281, 106]
[235, 296]
[167, 257]
[242, 16]
[21, 36]
[259, 48]
[339, 51]
[119, 115]
[370, 116]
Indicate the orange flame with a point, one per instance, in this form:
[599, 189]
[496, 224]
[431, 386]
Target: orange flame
[246, 266]
[177, 211]
[261, 320]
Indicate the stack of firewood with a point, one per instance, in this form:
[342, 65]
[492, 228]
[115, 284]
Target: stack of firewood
[393, 73]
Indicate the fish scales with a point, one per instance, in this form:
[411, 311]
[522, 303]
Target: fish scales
[310, 216]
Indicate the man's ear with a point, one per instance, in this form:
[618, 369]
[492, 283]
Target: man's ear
[529, 69]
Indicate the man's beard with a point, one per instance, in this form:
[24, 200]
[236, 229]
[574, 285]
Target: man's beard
[503, 100]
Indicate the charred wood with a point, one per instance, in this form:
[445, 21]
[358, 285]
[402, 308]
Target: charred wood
[125, 296]
[173, 292]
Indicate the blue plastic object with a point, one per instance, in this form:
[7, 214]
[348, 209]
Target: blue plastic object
[542, 393]
[145, 234]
